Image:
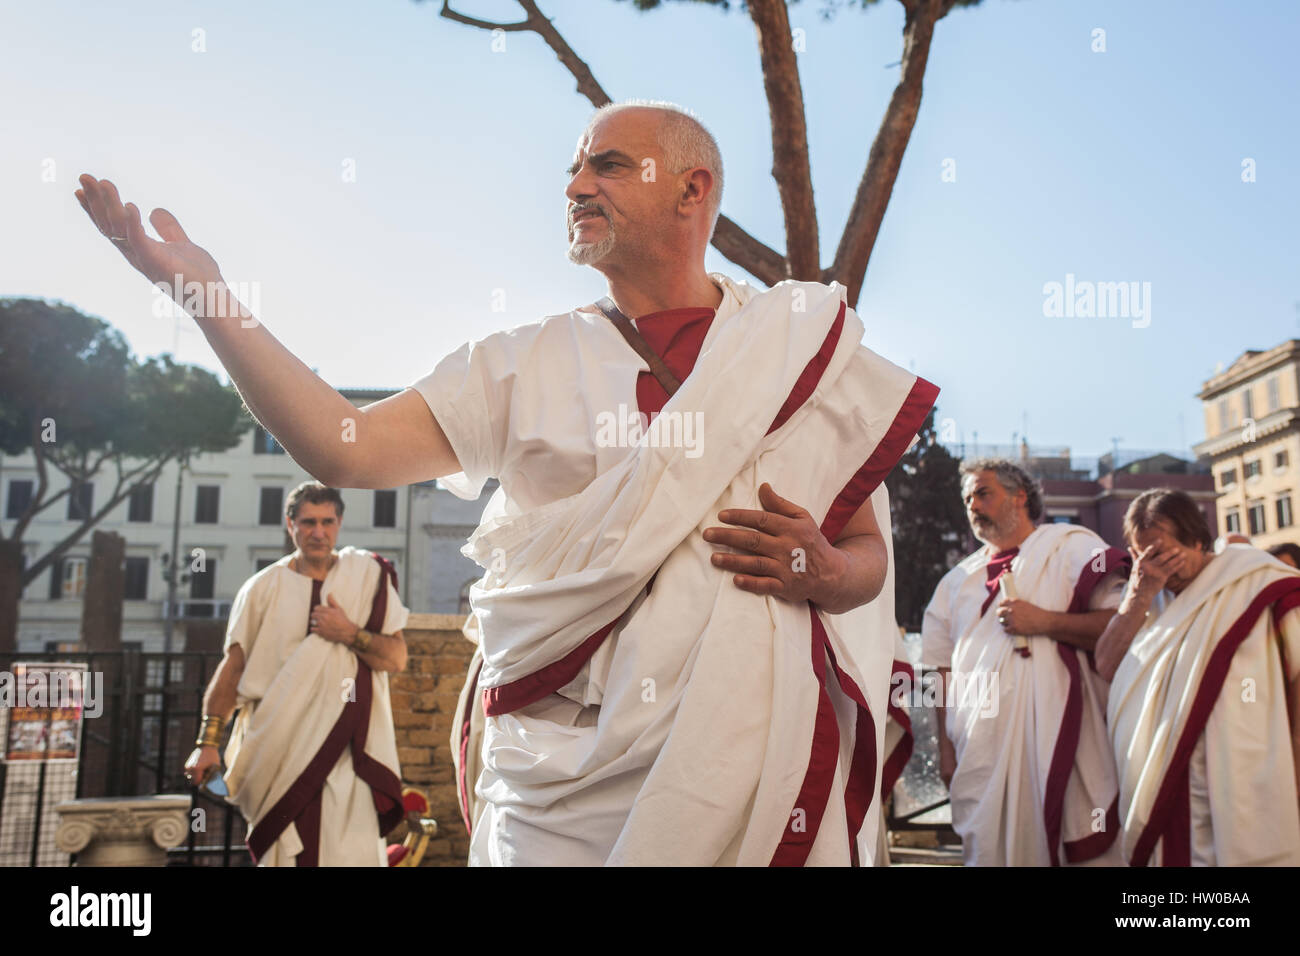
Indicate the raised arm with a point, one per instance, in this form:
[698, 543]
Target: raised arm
[385, 445]
[1151, 569]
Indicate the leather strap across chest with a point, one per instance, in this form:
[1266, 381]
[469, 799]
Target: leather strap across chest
[639, 345]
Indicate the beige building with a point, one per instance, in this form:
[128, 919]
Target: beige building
[231, 525]
[1252, 424]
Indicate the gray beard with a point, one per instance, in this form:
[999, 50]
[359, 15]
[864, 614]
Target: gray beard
[589, 253]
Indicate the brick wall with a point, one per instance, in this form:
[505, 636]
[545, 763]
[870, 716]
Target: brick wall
[424, 707]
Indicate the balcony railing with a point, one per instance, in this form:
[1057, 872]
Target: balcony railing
[199, 609]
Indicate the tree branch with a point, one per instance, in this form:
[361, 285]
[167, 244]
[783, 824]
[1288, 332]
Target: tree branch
[34, 507]
[752, 255]
[790, 165]
[119, 495]
[451, 14]
[886, 156]
[538, 23]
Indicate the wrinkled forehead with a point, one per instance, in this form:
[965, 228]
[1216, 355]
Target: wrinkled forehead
[973, 481]
[632, 131]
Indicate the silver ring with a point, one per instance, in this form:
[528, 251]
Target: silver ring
[118, 239]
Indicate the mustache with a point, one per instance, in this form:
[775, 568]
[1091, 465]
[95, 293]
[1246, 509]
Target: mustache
[576, 211]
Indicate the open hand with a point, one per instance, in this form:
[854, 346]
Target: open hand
[159, 262]
[785, 553]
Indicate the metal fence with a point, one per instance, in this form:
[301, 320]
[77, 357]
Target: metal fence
[151, 708]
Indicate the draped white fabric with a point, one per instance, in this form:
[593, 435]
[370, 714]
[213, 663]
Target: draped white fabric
[291, 694]
[686, 738]
[1243, 800]
[1009, 708]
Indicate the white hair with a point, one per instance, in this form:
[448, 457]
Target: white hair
[685, 142]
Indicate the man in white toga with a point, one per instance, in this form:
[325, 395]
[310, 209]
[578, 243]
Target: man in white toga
[1022, 733]
[685, 648]
[312, 758]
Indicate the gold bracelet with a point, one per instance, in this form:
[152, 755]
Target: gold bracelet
[210, 731]
[361, 643]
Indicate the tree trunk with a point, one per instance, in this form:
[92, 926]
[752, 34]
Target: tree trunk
[886, 156]
[101, 607]
[790, 165]
[11, 563]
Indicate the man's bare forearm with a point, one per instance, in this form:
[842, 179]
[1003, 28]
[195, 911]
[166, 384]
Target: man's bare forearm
[387, 652]
[221, 696]
[393, 442]
[291, 401]
[1120, 631]
[863, 575]
[1080, 629]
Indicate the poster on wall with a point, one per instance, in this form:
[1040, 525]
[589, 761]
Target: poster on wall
[46, 704]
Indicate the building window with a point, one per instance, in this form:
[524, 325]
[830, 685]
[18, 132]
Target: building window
[203, 588]
[1281, 460]
[264, 442]
[1231, 522]
[81, 500]
[1228, 478]
[1274, 393]
[264, 563]
[1247, 403]
[1255, 516]
[67, 578]
[271, 509]
[20, 497]
[140, 504]
[1254, 468]
[207, 500]
[1284, 512]
[385, 509]
[1224, 422]
[137, 579]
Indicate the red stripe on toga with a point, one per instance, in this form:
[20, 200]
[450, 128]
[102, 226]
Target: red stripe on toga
[300, 804]
[1065, 750]
[1170, 815]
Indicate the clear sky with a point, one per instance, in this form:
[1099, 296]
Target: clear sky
[1117, 166]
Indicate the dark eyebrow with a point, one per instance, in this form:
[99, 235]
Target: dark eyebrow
[597, 158]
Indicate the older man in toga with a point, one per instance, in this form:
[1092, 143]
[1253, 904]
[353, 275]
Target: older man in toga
[684, 659]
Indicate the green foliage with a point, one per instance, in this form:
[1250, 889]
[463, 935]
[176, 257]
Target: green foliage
[58, 364]
[72, 395]
[179, 410]
[928, 522]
